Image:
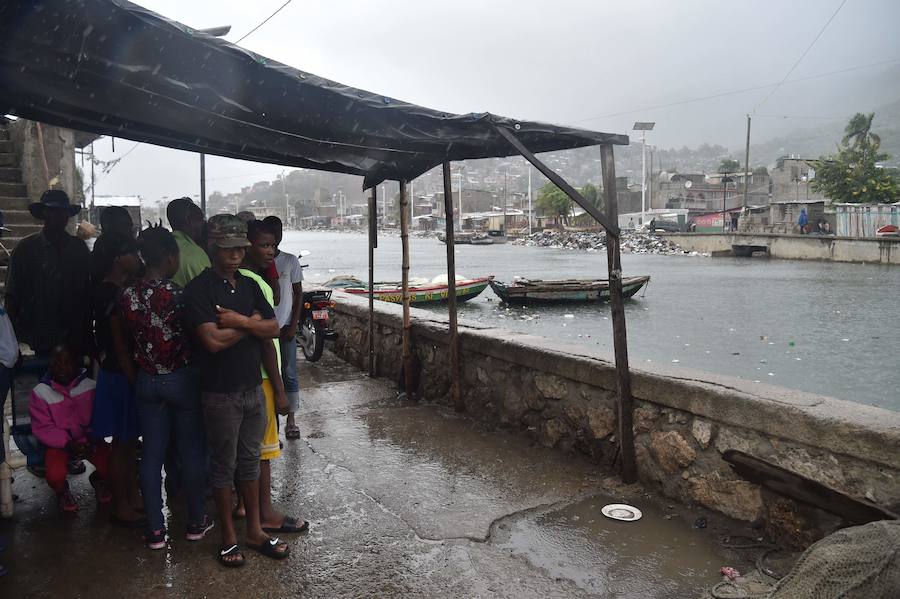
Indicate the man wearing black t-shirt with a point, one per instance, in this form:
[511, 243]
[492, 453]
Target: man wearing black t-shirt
[229, 316]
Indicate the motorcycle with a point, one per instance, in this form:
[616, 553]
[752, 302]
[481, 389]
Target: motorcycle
[315, 319]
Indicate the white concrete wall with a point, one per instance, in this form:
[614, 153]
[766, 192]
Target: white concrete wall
[883, 250]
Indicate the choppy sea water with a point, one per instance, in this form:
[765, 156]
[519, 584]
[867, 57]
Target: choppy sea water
[823, 327]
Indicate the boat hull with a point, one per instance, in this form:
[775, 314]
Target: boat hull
[559, 292]
[431, 294]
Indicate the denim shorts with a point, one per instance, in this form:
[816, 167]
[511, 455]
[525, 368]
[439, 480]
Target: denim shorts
[235, 425]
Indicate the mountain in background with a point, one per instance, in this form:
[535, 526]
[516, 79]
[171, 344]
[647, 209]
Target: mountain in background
[823, 140]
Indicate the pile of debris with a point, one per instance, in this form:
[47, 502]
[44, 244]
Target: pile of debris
[633, 242]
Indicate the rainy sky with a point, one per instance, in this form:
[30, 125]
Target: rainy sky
[595, 64]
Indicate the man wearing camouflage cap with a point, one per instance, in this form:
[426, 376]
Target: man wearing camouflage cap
[229, 317]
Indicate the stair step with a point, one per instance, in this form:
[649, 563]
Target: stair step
[4, 134]
[13, 189]
[6, 146]
[14, 204]
[19, 231]
[10, 174]
[8, 159]
[17, 216]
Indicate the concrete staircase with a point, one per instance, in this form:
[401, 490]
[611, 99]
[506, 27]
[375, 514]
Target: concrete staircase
[13, 201]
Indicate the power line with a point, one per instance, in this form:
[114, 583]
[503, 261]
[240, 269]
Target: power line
[266, 20]
[802, 56]
[809, 117]
[739, 91]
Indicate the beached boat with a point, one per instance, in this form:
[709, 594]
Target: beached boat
[527, 291]
[421, 291]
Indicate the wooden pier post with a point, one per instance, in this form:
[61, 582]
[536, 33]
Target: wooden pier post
[373, 243]
[617, 306]
[455, 372]
[404, 241]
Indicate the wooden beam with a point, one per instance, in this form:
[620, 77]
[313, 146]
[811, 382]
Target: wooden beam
[805, 490]
[625, 402]
[373, 243]
[404, 242]
[611, 226]
[455, 372]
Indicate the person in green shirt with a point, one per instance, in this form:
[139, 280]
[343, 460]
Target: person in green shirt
[186, 220]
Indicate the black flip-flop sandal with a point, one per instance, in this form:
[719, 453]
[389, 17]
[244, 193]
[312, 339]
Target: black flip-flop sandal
[226, 552]
[268, 548]
[289, 525]
[292, 432]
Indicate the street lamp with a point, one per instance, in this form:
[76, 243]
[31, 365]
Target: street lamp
[643, 127]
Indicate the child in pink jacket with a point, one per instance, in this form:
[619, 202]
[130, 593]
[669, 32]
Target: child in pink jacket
[60, 409]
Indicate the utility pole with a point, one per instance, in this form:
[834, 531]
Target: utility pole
[203, 183]
[643, 176]
[643, 127]
[460, 198]
[747, 167]
[93, 183]
[505, 173]
[530, 210]
[284, 192]
[650, 191]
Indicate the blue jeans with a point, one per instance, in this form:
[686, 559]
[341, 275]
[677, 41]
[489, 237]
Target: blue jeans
[169, 406]
[289, 372]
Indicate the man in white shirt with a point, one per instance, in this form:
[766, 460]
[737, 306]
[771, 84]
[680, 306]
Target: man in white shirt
[287, 312]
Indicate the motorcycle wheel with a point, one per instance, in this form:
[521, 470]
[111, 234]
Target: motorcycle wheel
[311, 338]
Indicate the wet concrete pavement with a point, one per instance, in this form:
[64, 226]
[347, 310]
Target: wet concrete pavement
[405, 500]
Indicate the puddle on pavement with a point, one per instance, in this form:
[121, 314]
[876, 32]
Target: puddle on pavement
[650, 558]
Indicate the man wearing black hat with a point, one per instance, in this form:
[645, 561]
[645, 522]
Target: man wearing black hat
[48, 283]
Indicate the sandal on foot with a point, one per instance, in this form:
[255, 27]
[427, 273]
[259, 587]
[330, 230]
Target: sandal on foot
[233, 552]
[269, 548]
[292, 432]
[289, 525]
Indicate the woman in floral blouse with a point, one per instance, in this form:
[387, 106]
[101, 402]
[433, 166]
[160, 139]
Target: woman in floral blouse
[167, 395]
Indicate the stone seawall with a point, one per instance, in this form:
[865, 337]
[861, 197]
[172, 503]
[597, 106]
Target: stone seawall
[881, 250]
[564, 397]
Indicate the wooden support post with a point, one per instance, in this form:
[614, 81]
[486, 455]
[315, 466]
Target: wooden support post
[373, 243]
[455, 373]
[404, 241]
[628, 462]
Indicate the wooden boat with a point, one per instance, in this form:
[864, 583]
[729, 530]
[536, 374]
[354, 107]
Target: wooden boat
[421, 291]
[467, 238]
[525, 291]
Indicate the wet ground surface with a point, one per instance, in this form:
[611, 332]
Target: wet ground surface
[405, 500]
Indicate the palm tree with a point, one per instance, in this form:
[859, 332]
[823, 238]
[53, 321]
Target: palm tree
[858, 132]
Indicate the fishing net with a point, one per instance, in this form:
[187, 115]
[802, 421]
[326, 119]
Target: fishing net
[854, 563]
[862, 562]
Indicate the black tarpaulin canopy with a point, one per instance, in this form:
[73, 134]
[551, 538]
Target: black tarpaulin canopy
[114, 68]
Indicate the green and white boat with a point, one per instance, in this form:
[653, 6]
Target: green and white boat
[421, 291]
[536, 291]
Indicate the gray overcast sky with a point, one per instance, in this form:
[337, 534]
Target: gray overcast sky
[566, 61]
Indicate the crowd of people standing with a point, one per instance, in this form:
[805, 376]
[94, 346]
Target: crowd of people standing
[166, 351]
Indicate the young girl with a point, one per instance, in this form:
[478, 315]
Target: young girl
[116, 260]
[60, 409]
